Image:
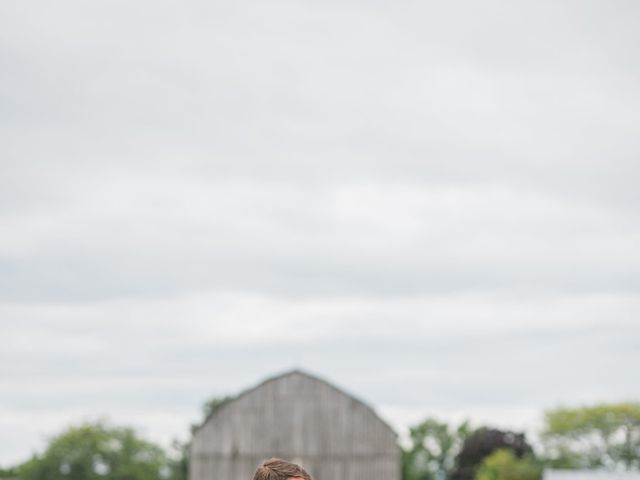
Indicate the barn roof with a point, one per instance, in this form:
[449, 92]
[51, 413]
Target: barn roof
[299, 417]
[283, 375]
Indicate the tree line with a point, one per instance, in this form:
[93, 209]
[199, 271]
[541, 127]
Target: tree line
[605, 436]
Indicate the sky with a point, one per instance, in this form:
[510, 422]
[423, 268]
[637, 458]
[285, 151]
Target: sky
[432, 205]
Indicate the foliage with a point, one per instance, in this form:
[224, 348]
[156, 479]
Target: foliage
[180, 465]
[605, 435]
[9, 472]
[482, 444]
[504, 465]
[212, 405]
[432, 450]
[93, 451]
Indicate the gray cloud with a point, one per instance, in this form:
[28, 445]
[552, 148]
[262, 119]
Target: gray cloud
[433, 205]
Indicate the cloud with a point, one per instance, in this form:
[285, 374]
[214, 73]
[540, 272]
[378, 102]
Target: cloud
[167, 236]
[153, 363]
[455, 350]
[308, 93]
[432, 205]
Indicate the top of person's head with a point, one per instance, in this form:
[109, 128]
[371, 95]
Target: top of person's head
[278, 469]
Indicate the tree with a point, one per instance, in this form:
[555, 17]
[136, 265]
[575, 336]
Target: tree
[599, 436]
[93, 451]
[483, 443]
[211, 406]
[504, 465]
[180, 464]
[11, 472]
[432, 450]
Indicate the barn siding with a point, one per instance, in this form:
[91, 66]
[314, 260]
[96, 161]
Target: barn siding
[300, 418]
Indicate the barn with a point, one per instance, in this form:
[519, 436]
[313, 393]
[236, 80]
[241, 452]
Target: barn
[301, 418]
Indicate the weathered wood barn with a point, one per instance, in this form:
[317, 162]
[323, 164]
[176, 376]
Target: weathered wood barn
[300, 418]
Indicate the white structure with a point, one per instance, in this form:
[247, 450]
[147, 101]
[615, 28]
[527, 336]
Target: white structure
[589, 475]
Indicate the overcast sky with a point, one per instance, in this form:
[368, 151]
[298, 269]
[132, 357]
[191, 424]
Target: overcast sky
[433, 205]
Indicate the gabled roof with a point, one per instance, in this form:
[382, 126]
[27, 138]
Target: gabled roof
[290, 373]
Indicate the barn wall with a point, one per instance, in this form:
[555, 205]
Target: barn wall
[299, 418]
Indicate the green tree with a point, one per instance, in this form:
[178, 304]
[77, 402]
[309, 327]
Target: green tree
[211, 406]
[599, 436]
[11, 472]
[432, 449]
[182, 450]
[504, 465]
[97, 451]
[179, 463]
[481, 444]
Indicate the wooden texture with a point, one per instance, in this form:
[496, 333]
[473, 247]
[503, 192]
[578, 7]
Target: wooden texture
[300, 418]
